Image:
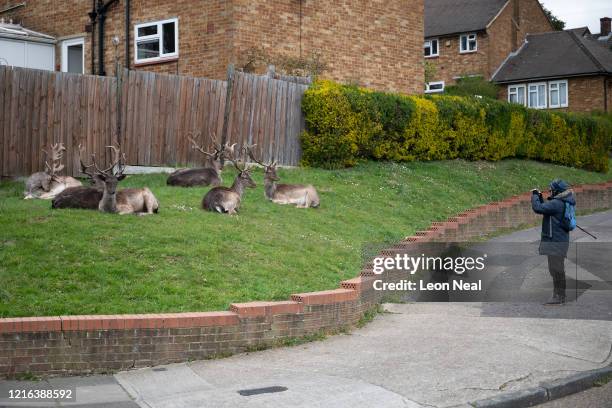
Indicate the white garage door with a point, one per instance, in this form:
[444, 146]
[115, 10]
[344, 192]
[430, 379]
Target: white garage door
[27, 54]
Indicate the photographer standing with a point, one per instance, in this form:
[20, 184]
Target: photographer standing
[555, 232]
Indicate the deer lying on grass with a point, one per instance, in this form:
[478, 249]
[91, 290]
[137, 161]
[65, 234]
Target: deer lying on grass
[209, 175]
[84, 197]
[303, 196]
[47, 184]
[227, 200]
[139, 201]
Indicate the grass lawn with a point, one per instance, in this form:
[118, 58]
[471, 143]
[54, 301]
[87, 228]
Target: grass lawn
[56, 262]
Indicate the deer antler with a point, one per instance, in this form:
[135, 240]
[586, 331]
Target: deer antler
[85, 168]
[55, 153]
[249, 150]
[118, 160]
[196, 146]
[235, 158]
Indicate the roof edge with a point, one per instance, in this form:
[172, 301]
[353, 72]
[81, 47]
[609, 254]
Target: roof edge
[531, 79]
[501, 10]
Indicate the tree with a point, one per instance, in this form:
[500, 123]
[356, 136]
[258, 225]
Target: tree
[557, 24]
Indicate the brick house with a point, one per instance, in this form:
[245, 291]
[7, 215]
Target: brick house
[374, 42]
[564, 70]
[473, 37]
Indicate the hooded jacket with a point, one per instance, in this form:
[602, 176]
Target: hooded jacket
[555, 239]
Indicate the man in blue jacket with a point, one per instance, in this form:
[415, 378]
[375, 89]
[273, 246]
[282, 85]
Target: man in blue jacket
[555, 238]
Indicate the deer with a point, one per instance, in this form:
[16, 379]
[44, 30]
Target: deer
[302, 196]
[139, 201]
[226, 200]
[84, 197]
[47, 184]
[209, 175]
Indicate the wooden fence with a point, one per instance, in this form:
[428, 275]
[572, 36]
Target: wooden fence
[156, 114]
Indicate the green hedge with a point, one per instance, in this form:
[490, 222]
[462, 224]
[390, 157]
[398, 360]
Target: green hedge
[346, 124]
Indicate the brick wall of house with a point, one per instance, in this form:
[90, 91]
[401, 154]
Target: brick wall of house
[531, 19]
[204, 31]
[451, 64]
[372, 42]
[503, 38]
[585, 94]
[376, 43]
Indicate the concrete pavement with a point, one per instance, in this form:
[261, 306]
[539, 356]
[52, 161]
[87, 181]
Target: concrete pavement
[414, 355]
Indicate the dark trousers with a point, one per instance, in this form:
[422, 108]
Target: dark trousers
[556, 267]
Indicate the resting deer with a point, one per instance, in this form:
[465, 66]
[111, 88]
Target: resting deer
[227, 200]
[209, 175]
[84, 197]
[303, 196]
[47, 184]
[139, 201]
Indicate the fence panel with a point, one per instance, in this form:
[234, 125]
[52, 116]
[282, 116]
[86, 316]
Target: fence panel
[157, 112]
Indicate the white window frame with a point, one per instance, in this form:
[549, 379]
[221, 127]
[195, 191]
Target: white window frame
[69, 43]
[474, 38]
[550, 91]
[537, 85]
[516, 92]
[162, 56]
[431, 41]
[428, 86]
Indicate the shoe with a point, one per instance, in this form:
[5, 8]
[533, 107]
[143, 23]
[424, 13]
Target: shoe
[557, 299]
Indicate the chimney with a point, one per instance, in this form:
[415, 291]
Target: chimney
[605, 26]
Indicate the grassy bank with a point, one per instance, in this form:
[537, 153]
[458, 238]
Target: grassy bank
[183, 259]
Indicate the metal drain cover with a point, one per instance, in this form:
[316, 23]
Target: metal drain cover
[265, 390]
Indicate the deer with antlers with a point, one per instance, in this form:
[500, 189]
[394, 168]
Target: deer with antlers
[139, 201]
[209, 175]
[84, 197]
[47, 184]
[303, 196]
[227, 200]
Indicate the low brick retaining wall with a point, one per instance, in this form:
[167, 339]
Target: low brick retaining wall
[67, 345]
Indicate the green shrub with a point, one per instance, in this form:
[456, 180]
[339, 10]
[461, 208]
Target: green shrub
[472, 86]
[346, 124]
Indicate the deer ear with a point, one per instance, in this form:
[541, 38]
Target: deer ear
[121, 177]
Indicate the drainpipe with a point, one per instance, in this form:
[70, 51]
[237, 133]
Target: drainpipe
[92, 18]
[101, 12]
[127, 34]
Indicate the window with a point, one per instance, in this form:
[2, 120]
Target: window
[156, 41]
[73, 55]
[431, 48]
[434, 87]
[516, 94]
[468, 43]
[557, 94]
[537, 95]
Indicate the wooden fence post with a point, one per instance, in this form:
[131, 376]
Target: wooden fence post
[119, 84]
[228, 97]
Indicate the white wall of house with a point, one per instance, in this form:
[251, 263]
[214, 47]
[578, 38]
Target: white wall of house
[27, 54]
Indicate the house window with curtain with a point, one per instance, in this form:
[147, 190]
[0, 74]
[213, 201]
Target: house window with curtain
[156, 41]
[468, 43]
[557, 94]
[516, 94]
[537, 95]
[430, 48]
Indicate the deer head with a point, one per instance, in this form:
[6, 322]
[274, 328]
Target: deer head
[111, 175]
[244, 173]
[269, 168]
